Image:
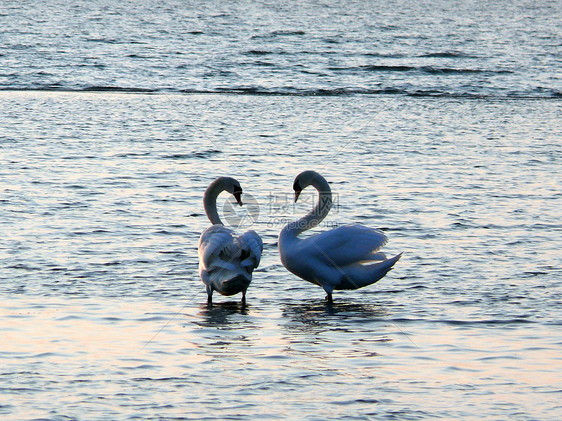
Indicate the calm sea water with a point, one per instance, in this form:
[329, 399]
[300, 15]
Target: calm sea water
[438, 123]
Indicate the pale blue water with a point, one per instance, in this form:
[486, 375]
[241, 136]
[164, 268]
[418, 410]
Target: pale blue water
[439, 124]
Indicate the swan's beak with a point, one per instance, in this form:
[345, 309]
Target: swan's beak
[297, 194]
[237, 195]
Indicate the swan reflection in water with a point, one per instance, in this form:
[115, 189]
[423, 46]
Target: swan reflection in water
[314, 317]
[223, 314]
[343, 309]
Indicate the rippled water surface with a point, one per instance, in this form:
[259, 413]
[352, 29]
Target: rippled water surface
[428, 125]
[103, 313]
[459, 48]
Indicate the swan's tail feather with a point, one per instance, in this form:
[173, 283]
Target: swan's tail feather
[239, 283]
[358, 276]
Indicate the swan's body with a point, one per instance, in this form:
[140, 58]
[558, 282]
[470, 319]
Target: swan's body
[346, 257]
[226, 262]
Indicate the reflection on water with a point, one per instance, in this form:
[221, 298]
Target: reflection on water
[314, 316]
[338, 310]
[221, 314]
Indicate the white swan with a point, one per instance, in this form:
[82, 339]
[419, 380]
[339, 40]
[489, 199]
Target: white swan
[226, 262]
[346, 257]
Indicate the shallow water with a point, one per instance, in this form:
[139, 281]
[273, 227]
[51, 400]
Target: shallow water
[103, 313]
[440, 125]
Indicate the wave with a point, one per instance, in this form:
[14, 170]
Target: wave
[116, 89]
[448, 54]
[421, 69]
[198, 154]
[279, 33]
[293, 91]
[258, 52]
[386, 55]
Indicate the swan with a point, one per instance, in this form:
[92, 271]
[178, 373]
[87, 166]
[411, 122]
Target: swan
[226, 262]
[346, 257]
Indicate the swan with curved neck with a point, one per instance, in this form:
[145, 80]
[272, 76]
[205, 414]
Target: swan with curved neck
[226, 262]
[346, 257]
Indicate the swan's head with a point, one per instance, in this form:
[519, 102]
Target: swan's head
[232, 186]
[236, 191]
[305, 179]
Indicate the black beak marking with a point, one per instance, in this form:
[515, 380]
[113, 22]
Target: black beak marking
[297, 188]
[238, 196]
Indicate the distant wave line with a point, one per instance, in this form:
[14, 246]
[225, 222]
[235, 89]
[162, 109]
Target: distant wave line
[291, 91]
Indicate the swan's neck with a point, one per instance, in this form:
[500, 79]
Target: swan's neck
[318, 213]
[210, 201]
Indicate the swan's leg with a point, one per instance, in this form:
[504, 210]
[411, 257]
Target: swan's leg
[205, 277]
[329, 298]
[243, 298]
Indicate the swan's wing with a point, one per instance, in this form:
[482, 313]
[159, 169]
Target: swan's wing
[346, 245]
[251, 245]
[217, 247]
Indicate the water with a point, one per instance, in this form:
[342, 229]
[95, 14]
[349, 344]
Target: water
[458, 48]
[439, 124]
